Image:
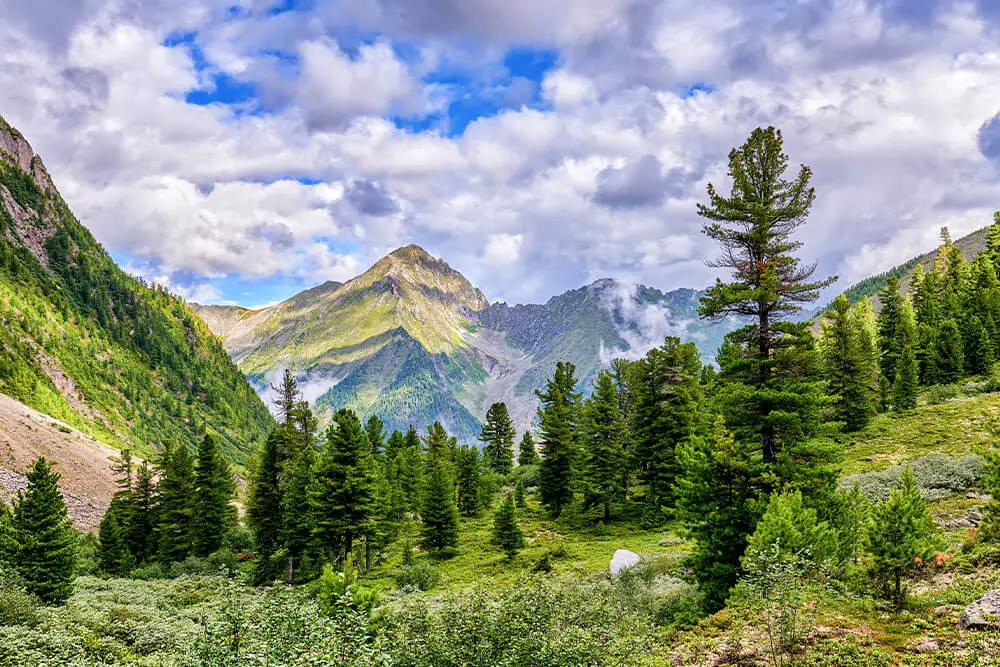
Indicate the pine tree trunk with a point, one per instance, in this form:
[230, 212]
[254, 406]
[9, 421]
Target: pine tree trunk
[290, 571]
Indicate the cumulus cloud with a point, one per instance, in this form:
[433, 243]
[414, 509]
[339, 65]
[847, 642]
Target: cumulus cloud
[637, 183]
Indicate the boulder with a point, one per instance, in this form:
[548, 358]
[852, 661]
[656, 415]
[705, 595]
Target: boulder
[982, 614]
[623, 560]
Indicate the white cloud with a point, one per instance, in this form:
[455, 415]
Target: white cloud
[502, 249]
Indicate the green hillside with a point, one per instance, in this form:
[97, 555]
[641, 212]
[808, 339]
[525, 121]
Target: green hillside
[88, 344]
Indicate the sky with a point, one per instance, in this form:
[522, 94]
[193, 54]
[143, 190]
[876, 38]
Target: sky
[240, 151]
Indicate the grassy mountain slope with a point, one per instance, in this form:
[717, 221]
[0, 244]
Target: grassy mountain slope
[82, 341]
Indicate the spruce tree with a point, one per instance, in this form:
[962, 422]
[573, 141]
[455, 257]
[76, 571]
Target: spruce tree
[754, 227]
[557, 427]
[848, 375]
[214, 489]
[342, 490]
[439, 513]
[507, 533]
[393, 445]
[375, 430]
[888, 324]
[950, 357]
[603, 438]
[113, 553]
[667, 403]
[527, 455]
[979, 353]
[519, 498]
[719, 501]
[905, 384]
[410, 471]
[901, 535]
[265, 507]
[498, 435]
[47, 546]
[176, 504]
[468, 473]
[793, 530]
[296, 517]
[140, 524]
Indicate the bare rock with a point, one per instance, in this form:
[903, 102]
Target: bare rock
[926, 647]
[623, 560]
[983, 614]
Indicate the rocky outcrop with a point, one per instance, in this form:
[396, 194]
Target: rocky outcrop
[624, 560]
[983, 614]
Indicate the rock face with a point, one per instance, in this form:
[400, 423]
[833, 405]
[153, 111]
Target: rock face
[983, 614]
[623, 560]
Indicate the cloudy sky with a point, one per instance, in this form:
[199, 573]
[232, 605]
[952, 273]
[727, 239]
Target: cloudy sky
[239, 151]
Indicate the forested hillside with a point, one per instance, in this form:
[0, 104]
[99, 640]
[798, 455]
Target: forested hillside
[123, 361]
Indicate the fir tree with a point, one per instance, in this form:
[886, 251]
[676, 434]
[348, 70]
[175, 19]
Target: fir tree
[468, 473]
[557, 426]
[410, 470]
[848, 373]
[387, 515]
[140, 524]
[296, 517]
[905, 384]
[375, 430]
[498, 435]
[602, 441]
[393, 445]
[527, 455]
[286, 397]
[507, 533]
[795, 531]
[667, 404]
[754, 227]
[113, 553]
[519, 499]
[213, 498]
[342, 490]
[47, 546]
[979, 353]
[439, 513]
[901, 535]
[950, 358]
[176, 504]
[718, 500]
[438, 444]
[888, 324]
[265, 507]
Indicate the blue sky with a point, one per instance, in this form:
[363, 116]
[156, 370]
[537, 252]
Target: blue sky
[240, 151]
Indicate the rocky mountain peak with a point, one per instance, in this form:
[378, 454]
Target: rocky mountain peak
[17, 152]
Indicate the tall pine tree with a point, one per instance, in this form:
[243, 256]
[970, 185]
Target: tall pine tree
[527, 455]
[849, 374]
[754, 227]
[603, 438]
[176, 504]
[498, 435]
[214, 489]
[905, 384]
[439, 513]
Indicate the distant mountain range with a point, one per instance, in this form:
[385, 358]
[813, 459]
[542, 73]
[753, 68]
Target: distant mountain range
[412, 340]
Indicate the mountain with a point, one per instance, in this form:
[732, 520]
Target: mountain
[101, 352]
[412, 340]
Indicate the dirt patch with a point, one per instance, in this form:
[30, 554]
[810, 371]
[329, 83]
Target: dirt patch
[84, 463]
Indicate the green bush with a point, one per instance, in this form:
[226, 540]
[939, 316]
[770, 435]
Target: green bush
[239, 540]
[938, 476]
[17, 607]
[420, 575]
[942, 393]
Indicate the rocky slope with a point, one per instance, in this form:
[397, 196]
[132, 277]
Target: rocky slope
[85, 343]
[413, 341]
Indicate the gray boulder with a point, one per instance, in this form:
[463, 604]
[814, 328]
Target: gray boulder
[623, 560]
[983, 614]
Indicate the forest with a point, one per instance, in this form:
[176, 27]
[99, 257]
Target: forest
[804, 500]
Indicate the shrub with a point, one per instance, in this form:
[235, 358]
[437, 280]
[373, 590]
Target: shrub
[222, 560]
[938, 476]
[419, 575]
[942, 393]
[239, 540]
[149, 571]
[17, 607]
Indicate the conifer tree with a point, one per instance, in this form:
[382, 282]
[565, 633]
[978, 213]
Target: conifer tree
[979, 353]
[213, 498]
[507, 533]
[468, 473]
[393, 445]
[848, 374]
[8, 538]
[410, 470]
[603, 439]
[718, 502]
[901, 535]
[667, 403]
[296, 516]
[950, 357]
[112, 552]
[754, 227]
[140, 524]
[527, 455]
[498, 435]
[375, 430]
[342, 490]
[557, 427]
[47, 546]
[439, 513]
[905, 384]
[993, 240]
[385, 528]
[888, 324]
[265, 507]
[412, 440]
[438, 444]
[519, 499]
[176, 504]
[795, 530]
[286, 396]
[122, 465]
